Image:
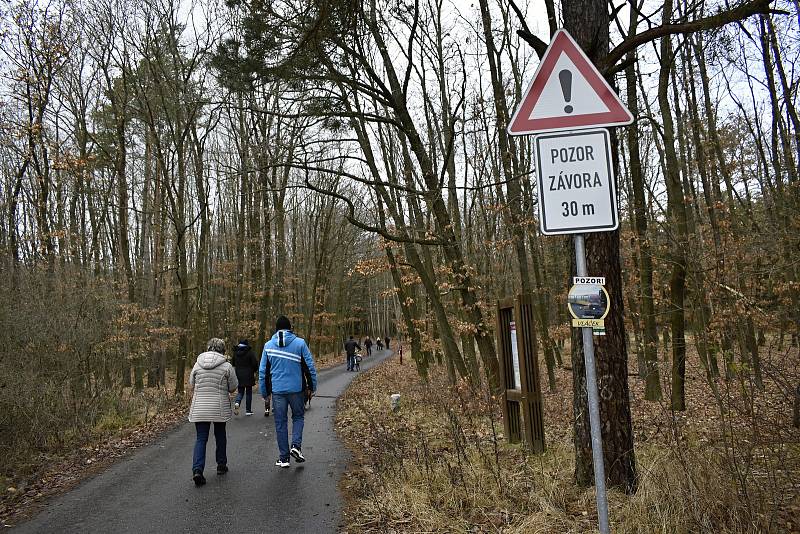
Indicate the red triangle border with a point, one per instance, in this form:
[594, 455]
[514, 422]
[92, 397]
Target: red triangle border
[564, 44]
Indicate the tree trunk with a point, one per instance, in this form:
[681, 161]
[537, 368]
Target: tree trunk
[649, 334]
[451, 248]
[588, 24]
[676, 208]
[507, 147]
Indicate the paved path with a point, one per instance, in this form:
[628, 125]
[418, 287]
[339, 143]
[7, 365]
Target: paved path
[152, 491]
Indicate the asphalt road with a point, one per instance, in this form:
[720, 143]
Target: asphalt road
[152, 491]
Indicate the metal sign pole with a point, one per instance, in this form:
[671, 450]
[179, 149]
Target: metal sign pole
[594, 401]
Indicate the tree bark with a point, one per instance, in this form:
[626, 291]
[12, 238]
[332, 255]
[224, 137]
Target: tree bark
[649, 334]
[587, 22]
[676, 208]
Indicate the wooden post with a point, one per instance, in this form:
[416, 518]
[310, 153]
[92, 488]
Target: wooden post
[523, 416]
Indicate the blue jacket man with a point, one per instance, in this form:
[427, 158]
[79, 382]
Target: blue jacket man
[286, 372]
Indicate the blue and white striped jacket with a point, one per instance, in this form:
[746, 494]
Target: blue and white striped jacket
[282, 362]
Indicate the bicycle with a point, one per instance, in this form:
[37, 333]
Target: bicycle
[357, 363]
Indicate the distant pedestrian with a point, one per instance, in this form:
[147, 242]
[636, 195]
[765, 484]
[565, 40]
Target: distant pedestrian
[387, 342]
[246, 366]
[379, 344]
[213, 380]
[350, 347]
[285, 360]
[368, 345]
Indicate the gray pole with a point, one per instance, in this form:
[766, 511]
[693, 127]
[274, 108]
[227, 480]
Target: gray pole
[594, 402]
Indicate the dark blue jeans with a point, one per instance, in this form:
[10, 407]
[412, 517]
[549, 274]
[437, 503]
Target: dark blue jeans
[199, 458]
[280, 406]
[351, 361]
[247, 393]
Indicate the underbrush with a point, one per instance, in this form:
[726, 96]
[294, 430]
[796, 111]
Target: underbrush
[441, 462]
[45, 430]
[61, 455]
[66, 345]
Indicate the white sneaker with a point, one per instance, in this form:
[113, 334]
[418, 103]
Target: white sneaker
[248, 413]
[298, 456]
[282, 463]
[236, 409]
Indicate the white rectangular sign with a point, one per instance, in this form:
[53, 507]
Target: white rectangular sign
[577, 193]
[599, 280]
[515, 356]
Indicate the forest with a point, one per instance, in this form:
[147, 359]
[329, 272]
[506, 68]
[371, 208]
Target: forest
[173, 171]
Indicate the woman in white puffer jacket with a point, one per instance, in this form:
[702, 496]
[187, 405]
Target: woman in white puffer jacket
[213, 380]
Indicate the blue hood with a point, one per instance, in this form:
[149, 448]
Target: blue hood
[283, 338]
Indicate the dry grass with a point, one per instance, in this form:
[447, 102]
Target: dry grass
[441, 464]
[126, 423]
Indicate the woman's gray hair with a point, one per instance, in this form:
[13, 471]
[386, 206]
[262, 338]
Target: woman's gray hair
[216, 344]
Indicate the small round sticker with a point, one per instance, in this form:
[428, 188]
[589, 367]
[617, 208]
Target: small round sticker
[588, 301]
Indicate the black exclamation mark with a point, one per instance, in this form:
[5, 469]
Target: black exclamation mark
[565, 77]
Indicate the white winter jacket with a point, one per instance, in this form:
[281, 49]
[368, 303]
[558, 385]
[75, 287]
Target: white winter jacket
[213, 379]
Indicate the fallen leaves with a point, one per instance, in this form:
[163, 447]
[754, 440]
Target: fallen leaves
[58, 474]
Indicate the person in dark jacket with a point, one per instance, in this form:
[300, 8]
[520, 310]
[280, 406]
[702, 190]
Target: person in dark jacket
[287, 368]
[387, 342]
[350, 347]
[246, 365]
[368, 345]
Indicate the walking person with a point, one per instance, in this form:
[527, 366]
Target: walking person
[368, 345]
[246, 365]
[350, 347]
[212, 381]
[387, 342]
[284, 361]
[379, 344]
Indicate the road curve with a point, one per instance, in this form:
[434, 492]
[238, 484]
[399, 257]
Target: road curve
[151, 490]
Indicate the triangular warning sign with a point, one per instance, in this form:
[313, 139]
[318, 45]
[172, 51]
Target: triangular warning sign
[567, 93]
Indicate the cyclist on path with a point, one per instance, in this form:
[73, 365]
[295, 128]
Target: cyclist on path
[350, 346]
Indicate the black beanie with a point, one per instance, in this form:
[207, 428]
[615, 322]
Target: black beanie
[283, 323]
